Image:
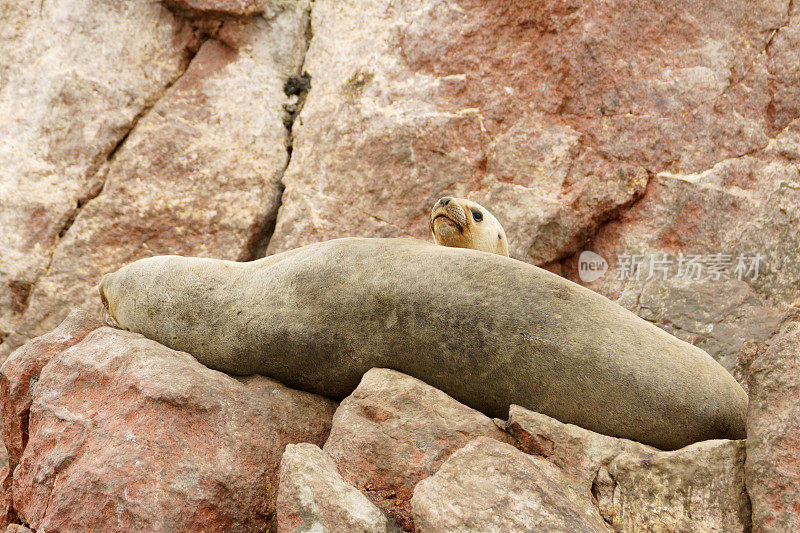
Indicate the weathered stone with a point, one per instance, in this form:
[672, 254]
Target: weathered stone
[7, 513]
[550, 113]
[74, 76]
[773, 432]
[432, 126]
[577, 452]
[638, 488]
[490, 486]
[784, 72]
[312, 496]
[394, 431]
[718, 316]
[128, 435]
[21, 371]
[17, 528]
[230, 7]
[17, 375]
[199, 174]
[17, 18]
[698, 488]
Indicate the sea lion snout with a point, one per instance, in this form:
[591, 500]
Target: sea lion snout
[449, 212]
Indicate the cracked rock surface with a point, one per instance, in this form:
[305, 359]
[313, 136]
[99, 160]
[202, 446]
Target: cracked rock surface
[194, 170]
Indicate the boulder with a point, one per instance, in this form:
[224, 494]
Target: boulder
[637, 488]
[312, 496]
[394, 431]
[773, 432]
[489, 486]
[21, 371]
[17, 375]
[698, 488]
[577, 452]
[126, 434]
[554, 115]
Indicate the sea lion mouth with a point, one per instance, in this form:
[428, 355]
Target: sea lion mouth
[444, 216]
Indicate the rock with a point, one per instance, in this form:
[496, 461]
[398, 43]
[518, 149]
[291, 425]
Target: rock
[773, 426]
[754, 218]
[553, 115]
[312, 496]
[577, 452]
[719, 316]
[74, 77]
[128, 435]
[637, 488]
[698, 488]
[17, 375]
[199, 174]
[21, 371]
[394, 431]
[490, 486]
[17, 17]
[785, 73]
[437, 112]
[17, 528]
[502, 332]
[7, 513]
[229, 7]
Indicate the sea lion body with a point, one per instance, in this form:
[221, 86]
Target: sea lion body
[488, 330]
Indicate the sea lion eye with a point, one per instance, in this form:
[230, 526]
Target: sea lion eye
[477, 215]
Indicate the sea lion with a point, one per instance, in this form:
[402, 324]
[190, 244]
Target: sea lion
[488, 330]
[462, 223]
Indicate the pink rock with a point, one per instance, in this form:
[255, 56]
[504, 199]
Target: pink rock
[552, 114]
[313, 496]
[21, 371]
[17, 528]
[198, 175]
[75, 77]
[394, 431]
[578, 452]
[490, 486]
[742, 208]
[773, 432]
[128, 435]
[17, 375]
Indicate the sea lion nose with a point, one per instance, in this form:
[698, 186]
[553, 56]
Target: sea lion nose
[444, 201]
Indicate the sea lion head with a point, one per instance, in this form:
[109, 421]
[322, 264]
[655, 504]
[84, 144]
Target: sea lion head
[462, 223]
